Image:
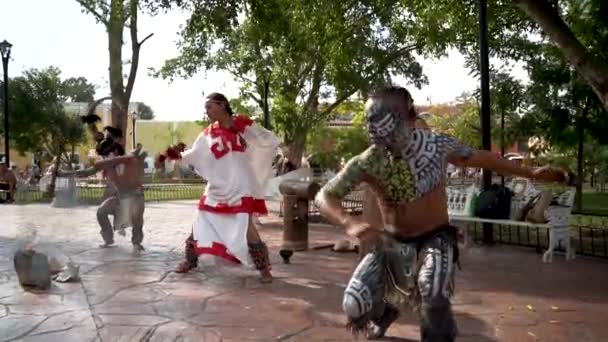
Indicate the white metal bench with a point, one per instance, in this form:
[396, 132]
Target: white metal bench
[4, 192]
[558, 225]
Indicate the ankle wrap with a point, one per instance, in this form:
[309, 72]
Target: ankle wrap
[259, 254]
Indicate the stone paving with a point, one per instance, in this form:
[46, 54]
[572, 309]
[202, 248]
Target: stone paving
[503, 293]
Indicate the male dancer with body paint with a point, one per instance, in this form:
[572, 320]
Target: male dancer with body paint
[124, 175]
[411, 258]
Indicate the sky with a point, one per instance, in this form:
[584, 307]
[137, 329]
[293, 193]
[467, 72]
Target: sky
[58, 33]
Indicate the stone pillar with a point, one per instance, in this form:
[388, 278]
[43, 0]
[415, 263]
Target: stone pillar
[33, 269]
[65, 196]
[296, 198]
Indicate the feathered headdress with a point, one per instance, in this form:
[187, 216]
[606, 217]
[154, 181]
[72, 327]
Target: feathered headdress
[91, 119]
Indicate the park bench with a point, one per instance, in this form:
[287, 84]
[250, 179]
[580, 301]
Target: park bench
[558, 226]
[4, 192]
[460, 202]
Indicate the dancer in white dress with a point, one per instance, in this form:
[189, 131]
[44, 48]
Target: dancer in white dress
[234, 155]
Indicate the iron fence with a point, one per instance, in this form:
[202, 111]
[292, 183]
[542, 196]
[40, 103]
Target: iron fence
[586, 240]
[94, 194]
[589, 233]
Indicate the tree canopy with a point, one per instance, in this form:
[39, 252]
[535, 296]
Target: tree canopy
[78, 89]
[145, 112]
[298, 60]
[38, 120]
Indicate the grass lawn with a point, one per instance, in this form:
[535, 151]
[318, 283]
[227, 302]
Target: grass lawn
[595, 202]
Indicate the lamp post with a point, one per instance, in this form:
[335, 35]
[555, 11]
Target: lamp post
[134, 117]
[5, 51]
[265, 99]
[484, 64]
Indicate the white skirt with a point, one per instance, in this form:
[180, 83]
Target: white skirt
[223, 235]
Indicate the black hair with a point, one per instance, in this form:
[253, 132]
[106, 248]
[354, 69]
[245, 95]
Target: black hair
[395, 96]
[115, 132]
[218, 97]
[108, 146]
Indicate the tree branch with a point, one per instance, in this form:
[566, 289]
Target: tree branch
[91, 10]
[379, 68]
[239, 75]
[257, 100]
[336, 103]
[595, 72]
[144, 40]
[135, 49]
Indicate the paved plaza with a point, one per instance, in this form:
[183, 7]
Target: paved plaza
[503, 293]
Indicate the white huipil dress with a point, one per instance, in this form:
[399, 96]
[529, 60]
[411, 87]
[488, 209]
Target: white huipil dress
[235, 173]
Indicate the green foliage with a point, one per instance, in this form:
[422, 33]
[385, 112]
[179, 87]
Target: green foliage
[145, 112]
[78, 89]
[507, 103]
[242, 106]
[330, 145]
[560, 101]
[595, 157]
[564, 110]
[300, 54]
[463, 125]
[455, 24]
[37, 117]
[463, 122]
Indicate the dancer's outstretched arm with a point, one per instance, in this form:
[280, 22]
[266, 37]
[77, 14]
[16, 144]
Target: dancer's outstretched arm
[78, 173]
[462, 155]
[488, 160]
[98, 166]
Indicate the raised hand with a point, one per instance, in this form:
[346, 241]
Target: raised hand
[361, 230]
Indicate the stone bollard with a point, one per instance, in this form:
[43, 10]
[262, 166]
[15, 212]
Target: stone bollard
[296, 198]
[65, 196]
[33, 269]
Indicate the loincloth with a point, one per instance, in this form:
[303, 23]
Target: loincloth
[390, 274]
[401, 265]
[403, 262]
[124, 209]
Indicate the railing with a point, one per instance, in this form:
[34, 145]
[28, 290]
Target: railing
[589, 234]
[94, 194]
[587, 240]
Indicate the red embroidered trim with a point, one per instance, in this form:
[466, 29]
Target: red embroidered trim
[216, 249]
[230, 139]
[248, 205]
[241, 122]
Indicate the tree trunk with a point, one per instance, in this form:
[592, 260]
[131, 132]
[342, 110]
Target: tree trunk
[579, 167]
[295, 149]
[115, 29]
[594, 71]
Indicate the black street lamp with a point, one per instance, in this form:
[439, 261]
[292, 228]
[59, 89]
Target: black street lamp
[484, 65]
[5, 51]
[265, 98]
[134, 117]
